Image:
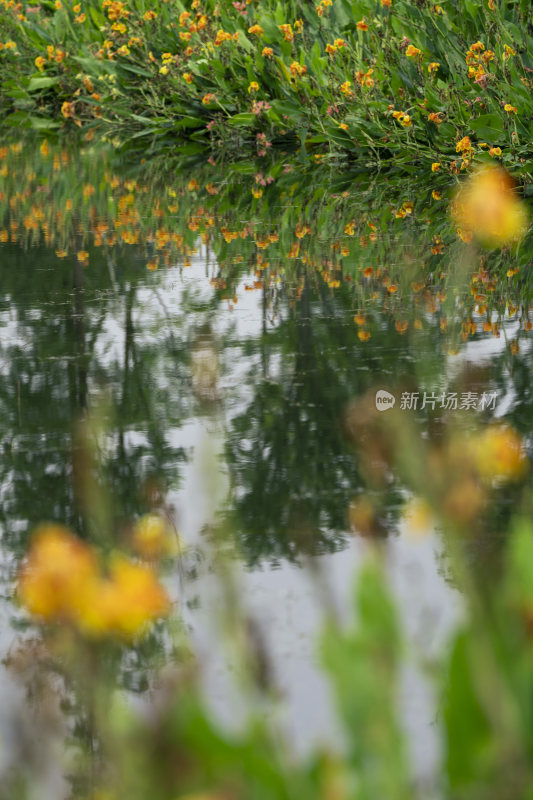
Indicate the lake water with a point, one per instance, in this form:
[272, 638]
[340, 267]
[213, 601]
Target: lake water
[230, 346]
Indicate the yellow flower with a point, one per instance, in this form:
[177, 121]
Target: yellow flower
[435, 166]
[222, 36]
[126, 602]
[362, 25]
[208, 98]
[509, 108]
[508, 52]
[267, 52]
[82, 256]
[412, 51]
[499, 453]
[436, 118]
[463, 145]
[346, 88]
[67, 109]
[253, 87]
[148, 15]
[61, 580]
[56, 574]
[153, 538]
[257, 192]
[487, 205]
[297, 70]
[124, 50]
[436, 195]
[163, 70]
[286, 30]
[495, 152]
[187, 77]
[39, 63]
[256, 29]
[364, 336]
[433, 67]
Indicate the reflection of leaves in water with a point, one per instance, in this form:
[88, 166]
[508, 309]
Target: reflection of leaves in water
[53, 365]
[293, 470]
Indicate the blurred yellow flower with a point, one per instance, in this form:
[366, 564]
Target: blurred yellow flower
[153, 538]
[287, 32]
[126, 602]
[487, 206]
[61, 580]
[499, 454]
[56, 574]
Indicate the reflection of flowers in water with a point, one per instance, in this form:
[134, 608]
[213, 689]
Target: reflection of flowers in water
[62, 581]
[487, 207]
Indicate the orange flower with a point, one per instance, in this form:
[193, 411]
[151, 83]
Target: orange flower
[464, 145]
[67, 109]
[286, 30]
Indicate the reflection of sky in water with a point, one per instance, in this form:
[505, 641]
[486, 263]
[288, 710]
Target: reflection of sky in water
[282, 598]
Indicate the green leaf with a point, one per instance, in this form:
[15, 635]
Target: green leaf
[488, 126]
[43, 82]
[242, 120]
